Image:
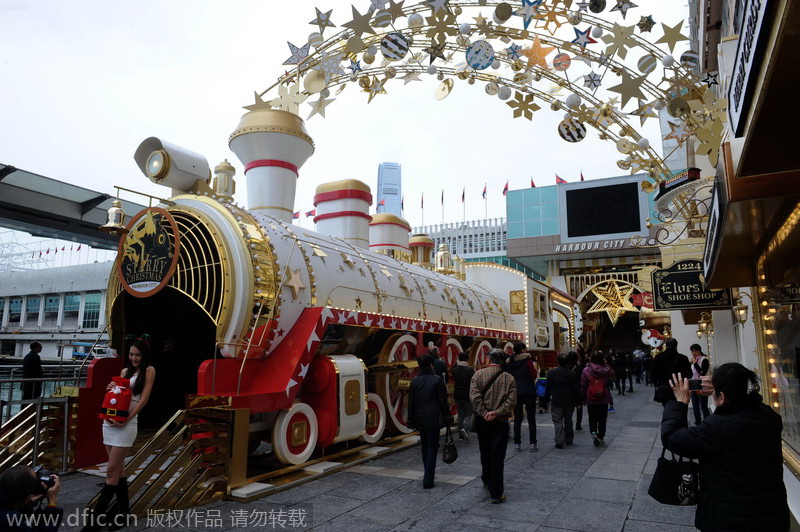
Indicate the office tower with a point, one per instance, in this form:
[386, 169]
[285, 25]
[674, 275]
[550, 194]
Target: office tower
[390, 189]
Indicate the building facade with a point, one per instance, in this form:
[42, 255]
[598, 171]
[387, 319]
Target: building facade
[390, 189]
[55, 306]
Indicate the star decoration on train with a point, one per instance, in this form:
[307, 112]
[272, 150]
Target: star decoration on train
[623, 6]
[582, 38]
[528, 11]
[294, 282]
[323, 20]
[613, 299]
[298, 54]
[672, 35]
[347, 260]
[360, 23]
[646, 24]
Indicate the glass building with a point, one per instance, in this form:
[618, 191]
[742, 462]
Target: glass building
[390, 188]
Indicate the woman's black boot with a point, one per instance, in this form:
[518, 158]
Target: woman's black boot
[120, 518]
[98, 513]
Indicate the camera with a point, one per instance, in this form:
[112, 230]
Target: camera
[45, 477]
[170, 165]
[695, 385]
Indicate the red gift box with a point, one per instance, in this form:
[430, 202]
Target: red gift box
[117, 401]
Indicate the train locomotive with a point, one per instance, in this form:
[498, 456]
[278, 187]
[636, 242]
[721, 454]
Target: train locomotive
[315, 333]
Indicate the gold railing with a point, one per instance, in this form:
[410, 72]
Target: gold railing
[42, 433]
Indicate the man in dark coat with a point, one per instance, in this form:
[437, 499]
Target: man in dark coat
[439, 365]
[428, 412]
[563, 393]
[462, 375]
[32, 369]
[520, 366]
[21, 493]
[667, 363]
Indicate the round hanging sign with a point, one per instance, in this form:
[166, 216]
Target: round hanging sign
[597, 6]
[572, 130]
[480, 55]
[148, 254]
[394, 46]
[647, 64]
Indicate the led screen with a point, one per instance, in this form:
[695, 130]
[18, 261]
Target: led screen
[603, 210]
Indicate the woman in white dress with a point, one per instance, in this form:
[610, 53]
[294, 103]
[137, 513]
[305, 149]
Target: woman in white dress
[118, 437]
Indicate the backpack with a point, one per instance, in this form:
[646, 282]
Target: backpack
[597, 387]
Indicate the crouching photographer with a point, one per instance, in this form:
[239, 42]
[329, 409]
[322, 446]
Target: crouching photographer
[29, 500]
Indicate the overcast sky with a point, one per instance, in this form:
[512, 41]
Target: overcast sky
[84, 82]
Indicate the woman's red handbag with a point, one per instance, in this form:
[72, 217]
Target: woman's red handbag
[117, 401]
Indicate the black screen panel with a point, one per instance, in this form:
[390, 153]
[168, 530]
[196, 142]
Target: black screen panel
[603, 210]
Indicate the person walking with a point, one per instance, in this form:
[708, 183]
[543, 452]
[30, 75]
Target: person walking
[578, 364]
[739, 450]
[462, 376]
[595, 392]
[647, 366]
[32, 369]
[620, 366]
[428, 412]
[493, 394]
[563, 392]
[700, 367]
[667, 363]
[520, 365]
[439, 365]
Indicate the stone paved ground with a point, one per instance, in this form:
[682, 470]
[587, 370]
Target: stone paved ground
[578, 488]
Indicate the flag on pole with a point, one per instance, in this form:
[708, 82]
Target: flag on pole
[533, 185]
[560, 181]
[296, 215]
[463, 192]
[382, 202]
[505, 188]
[402, 203]
[79, 247]
[422, 201]
[484, 191]
[581, 175]
[47, 252]
[55, 250]
[312, 212]
[62, 248]
[40, 252]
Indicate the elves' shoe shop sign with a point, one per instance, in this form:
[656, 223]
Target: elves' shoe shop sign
[682, 286]
[149, 252]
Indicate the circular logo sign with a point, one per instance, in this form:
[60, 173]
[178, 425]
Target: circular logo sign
[542, 336]
[480, 55]
[149, 252]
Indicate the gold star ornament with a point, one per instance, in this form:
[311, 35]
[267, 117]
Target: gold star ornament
[613, 299]
[294, 282]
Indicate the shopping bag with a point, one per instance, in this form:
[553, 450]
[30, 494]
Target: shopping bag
[449, 451]
[675, 481]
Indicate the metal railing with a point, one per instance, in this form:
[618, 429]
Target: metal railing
[53, 384]
[41, 424]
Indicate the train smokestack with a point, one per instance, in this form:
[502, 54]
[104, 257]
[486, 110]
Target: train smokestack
[343, 210]
[272, 145]
[388, 234]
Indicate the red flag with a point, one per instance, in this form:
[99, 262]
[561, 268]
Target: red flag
[581, 175]
[533, 185]
[484, 191]
[47, 252]
[382, 202]
[560, 181]
[312, 212]
[402, 203]
[463, 192]
[296, 215]
[79, 247]
[62, 248]
[505, 188]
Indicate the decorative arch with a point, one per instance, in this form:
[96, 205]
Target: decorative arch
[509, 47]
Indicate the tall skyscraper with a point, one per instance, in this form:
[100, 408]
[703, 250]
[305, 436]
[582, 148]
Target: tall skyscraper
[390, 188]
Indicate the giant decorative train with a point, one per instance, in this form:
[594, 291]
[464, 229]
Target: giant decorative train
[315, 332]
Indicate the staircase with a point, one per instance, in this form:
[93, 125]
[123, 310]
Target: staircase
[42, 433]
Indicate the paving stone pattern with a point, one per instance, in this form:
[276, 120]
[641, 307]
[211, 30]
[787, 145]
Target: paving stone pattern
[578, 488]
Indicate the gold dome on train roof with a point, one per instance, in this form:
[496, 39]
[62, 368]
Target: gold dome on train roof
[224, 166]
[344, 184]
[272, 121]
[420, 239]
[389, 218]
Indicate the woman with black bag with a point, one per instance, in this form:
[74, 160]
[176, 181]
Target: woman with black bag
[739, 450]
